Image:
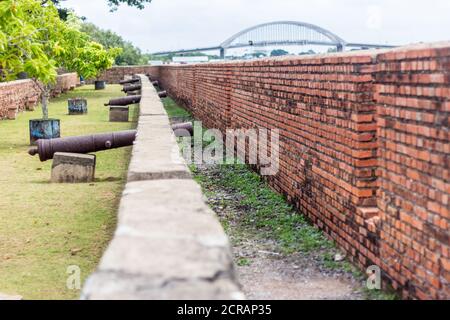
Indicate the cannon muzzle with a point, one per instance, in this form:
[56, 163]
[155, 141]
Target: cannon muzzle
[124, 101]
[133, 87]
[162, 94]
[130, 81]
[155, 83]
[183, 129]
[46, 149]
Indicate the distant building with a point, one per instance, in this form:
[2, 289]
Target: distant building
[189, 60]
[156, 62]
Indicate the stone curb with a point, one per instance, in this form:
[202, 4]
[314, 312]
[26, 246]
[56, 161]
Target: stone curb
[169, 245]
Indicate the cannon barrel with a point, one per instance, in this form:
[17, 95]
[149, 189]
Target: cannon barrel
[129, 81]
[162, 94]
[155, 83]
[183, 129]
[133, 87]
[124, 101]
[83, 144]
[46, 148]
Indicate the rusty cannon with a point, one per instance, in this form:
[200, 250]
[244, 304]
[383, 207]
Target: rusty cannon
[133, 87]
[138, 86]
[162, 94]
[183, 129]
[130, 81]
[124, 101]
[46, 149]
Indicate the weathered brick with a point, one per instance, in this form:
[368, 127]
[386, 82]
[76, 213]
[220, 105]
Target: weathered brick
[21, 95]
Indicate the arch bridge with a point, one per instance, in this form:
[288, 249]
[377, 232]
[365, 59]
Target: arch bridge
[280, 33]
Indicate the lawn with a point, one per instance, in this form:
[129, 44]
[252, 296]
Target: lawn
[45, 227]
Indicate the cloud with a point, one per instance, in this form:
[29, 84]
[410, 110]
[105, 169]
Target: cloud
[177, 24]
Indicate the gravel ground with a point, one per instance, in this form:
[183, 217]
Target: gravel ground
[264, 272]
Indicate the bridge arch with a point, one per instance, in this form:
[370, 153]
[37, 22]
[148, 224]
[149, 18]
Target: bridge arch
[283, 33]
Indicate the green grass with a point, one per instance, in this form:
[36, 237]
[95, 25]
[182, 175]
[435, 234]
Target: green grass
[265, 210]
[173, 110]
[386, 294]
[42, 223]
[244, 262]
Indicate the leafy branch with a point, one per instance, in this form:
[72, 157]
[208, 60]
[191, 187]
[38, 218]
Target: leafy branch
[34, 40]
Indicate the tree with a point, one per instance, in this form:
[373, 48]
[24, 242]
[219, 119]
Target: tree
[63, 12]
[310, 51]
[278, 53]
[130, 54]
[92, 59]
[33, 39]
[113, 4]
[140, 4]
[20, 46]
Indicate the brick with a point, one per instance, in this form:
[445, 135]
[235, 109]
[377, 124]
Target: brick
[21, 95]
[446, 106]
[360, 118]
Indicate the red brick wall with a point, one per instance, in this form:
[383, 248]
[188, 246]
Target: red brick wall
[208, 99]
[382, 195]
[17, 96]
[324, 110]
[65, 82]
[413, 97]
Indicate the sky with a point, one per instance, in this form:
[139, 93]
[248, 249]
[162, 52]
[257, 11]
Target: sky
[186, 24]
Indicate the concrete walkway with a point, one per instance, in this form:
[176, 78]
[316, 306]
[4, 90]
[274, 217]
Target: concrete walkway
[168, 244]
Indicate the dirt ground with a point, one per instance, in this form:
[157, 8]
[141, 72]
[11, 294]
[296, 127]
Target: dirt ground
[272, 276]
[265, 273]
